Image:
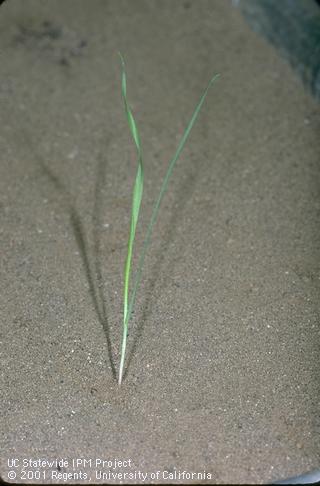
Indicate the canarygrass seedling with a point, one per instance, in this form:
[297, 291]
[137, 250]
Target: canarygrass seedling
[128, 303]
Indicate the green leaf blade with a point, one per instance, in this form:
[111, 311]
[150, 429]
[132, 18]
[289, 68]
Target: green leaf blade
[135, 210]
[163, 189]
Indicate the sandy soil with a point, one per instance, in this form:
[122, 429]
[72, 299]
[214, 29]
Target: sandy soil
[223, 360]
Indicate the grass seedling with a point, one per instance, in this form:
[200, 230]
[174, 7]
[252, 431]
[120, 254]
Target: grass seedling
[136, 202]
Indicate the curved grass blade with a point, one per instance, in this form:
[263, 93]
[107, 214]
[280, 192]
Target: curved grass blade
[161, 194]
[136, 202]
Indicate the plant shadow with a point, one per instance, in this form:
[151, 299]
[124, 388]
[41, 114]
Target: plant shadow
[92, 271]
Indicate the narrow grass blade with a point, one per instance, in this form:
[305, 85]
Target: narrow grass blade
[135, 209]
[161, 194]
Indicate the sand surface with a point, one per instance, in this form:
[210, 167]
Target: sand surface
[223, 355]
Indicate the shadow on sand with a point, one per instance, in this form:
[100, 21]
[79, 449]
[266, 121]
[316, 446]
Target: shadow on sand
[92, 268]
